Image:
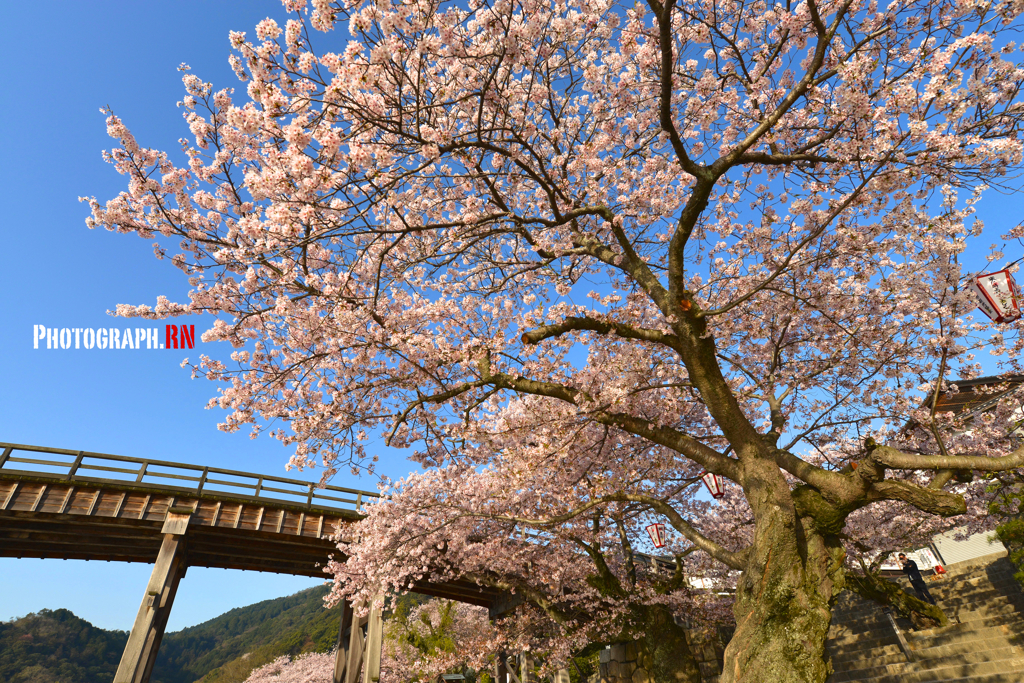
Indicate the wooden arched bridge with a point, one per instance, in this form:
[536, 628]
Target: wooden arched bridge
[95, 506]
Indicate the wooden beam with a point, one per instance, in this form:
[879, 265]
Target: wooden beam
[216, 513]
[341, 647]
[95, 499]
[10, 495]
[501, 668]
[356, 641]
[374, 642]
[39, 497]
[144, 640]
[67, 499]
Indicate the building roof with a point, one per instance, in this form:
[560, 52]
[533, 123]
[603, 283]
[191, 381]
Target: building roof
[976, 395]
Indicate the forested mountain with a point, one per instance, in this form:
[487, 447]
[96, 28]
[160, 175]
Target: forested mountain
[59, 647]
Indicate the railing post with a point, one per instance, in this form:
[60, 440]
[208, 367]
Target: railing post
[76, 465]
[142, 471]
[202, 480]
[6, 455]
[259, 487]
[309, 498]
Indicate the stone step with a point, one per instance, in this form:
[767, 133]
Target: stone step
[1012, 676]
[890, 665]
[999, 615]
[863, 641]
[989, 597]
[850, 600]
[882, 648]
[991, 604]
[969, 672]
[858, 659]
[938, 637]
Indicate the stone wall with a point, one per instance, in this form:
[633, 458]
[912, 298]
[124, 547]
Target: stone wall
[622, 662]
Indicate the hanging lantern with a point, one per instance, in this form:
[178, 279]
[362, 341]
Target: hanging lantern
[657, 534]
[998, 296]
[715, 484]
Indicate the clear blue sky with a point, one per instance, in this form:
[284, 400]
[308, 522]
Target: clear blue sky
[65, 61]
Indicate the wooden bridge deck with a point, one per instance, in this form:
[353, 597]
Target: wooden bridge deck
[50, 508]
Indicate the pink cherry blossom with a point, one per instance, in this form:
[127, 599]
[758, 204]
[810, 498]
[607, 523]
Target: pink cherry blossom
[574, 254]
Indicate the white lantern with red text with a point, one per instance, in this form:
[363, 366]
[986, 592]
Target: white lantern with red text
[657, 534]
[715, 484]
[998, 296]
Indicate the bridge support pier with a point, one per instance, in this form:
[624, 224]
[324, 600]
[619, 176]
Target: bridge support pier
[359, 645]
[501, 668]
[144, 642]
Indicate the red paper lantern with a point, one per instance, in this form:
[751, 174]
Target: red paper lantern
[715, 484]
[998, 296]
[657, 534]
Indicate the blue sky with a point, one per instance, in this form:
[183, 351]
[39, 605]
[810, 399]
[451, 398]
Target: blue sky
[66, 61]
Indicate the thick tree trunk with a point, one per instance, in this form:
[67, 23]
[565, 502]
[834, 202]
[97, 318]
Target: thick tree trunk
[784, 598]
[664, 651]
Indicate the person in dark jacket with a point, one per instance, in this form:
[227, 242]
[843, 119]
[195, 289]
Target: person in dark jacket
[916, 580]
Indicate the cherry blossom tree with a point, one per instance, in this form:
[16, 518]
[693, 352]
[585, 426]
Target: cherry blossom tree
[573, 581]
[437, 637]
[682, 235]
[312, 667]
[433, 638]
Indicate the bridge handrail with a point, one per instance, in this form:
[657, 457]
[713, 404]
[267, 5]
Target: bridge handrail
[257, 482]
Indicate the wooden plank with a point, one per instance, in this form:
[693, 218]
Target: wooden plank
[67, 499]
[320, 528]
[39, 497]
[95, 499]
[216, 514]
[120, 504]
[259, 519]
[145, 507]
[280, 522]
[238, 516]
[10, 495]
[176, 523]
[302, 523]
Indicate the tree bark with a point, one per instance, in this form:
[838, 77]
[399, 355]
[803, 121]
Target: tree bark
[785, 594]
[663, 649]
[888, 594]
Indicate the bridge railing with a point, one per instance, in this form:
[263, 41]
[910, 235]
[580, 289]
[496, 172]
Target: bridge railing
[195, 479]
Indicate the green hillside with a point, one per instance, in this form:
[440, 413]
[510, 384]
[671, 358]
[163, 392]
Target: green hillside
[213, 651]
[59, 647]
[55, 646]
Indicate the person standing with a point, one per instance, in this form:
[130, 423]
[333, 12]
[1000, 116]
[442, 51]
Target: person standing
[916, 580]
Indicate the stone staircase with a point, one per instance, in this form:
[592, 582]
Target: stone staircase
[985, 644]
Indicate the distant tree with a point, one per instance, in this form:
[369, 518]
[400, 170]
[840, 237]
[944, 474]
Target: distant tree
[601, 247]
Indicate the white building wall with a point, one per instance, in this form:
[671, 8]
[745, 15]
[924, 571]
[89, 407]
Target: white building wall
[977, 545]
